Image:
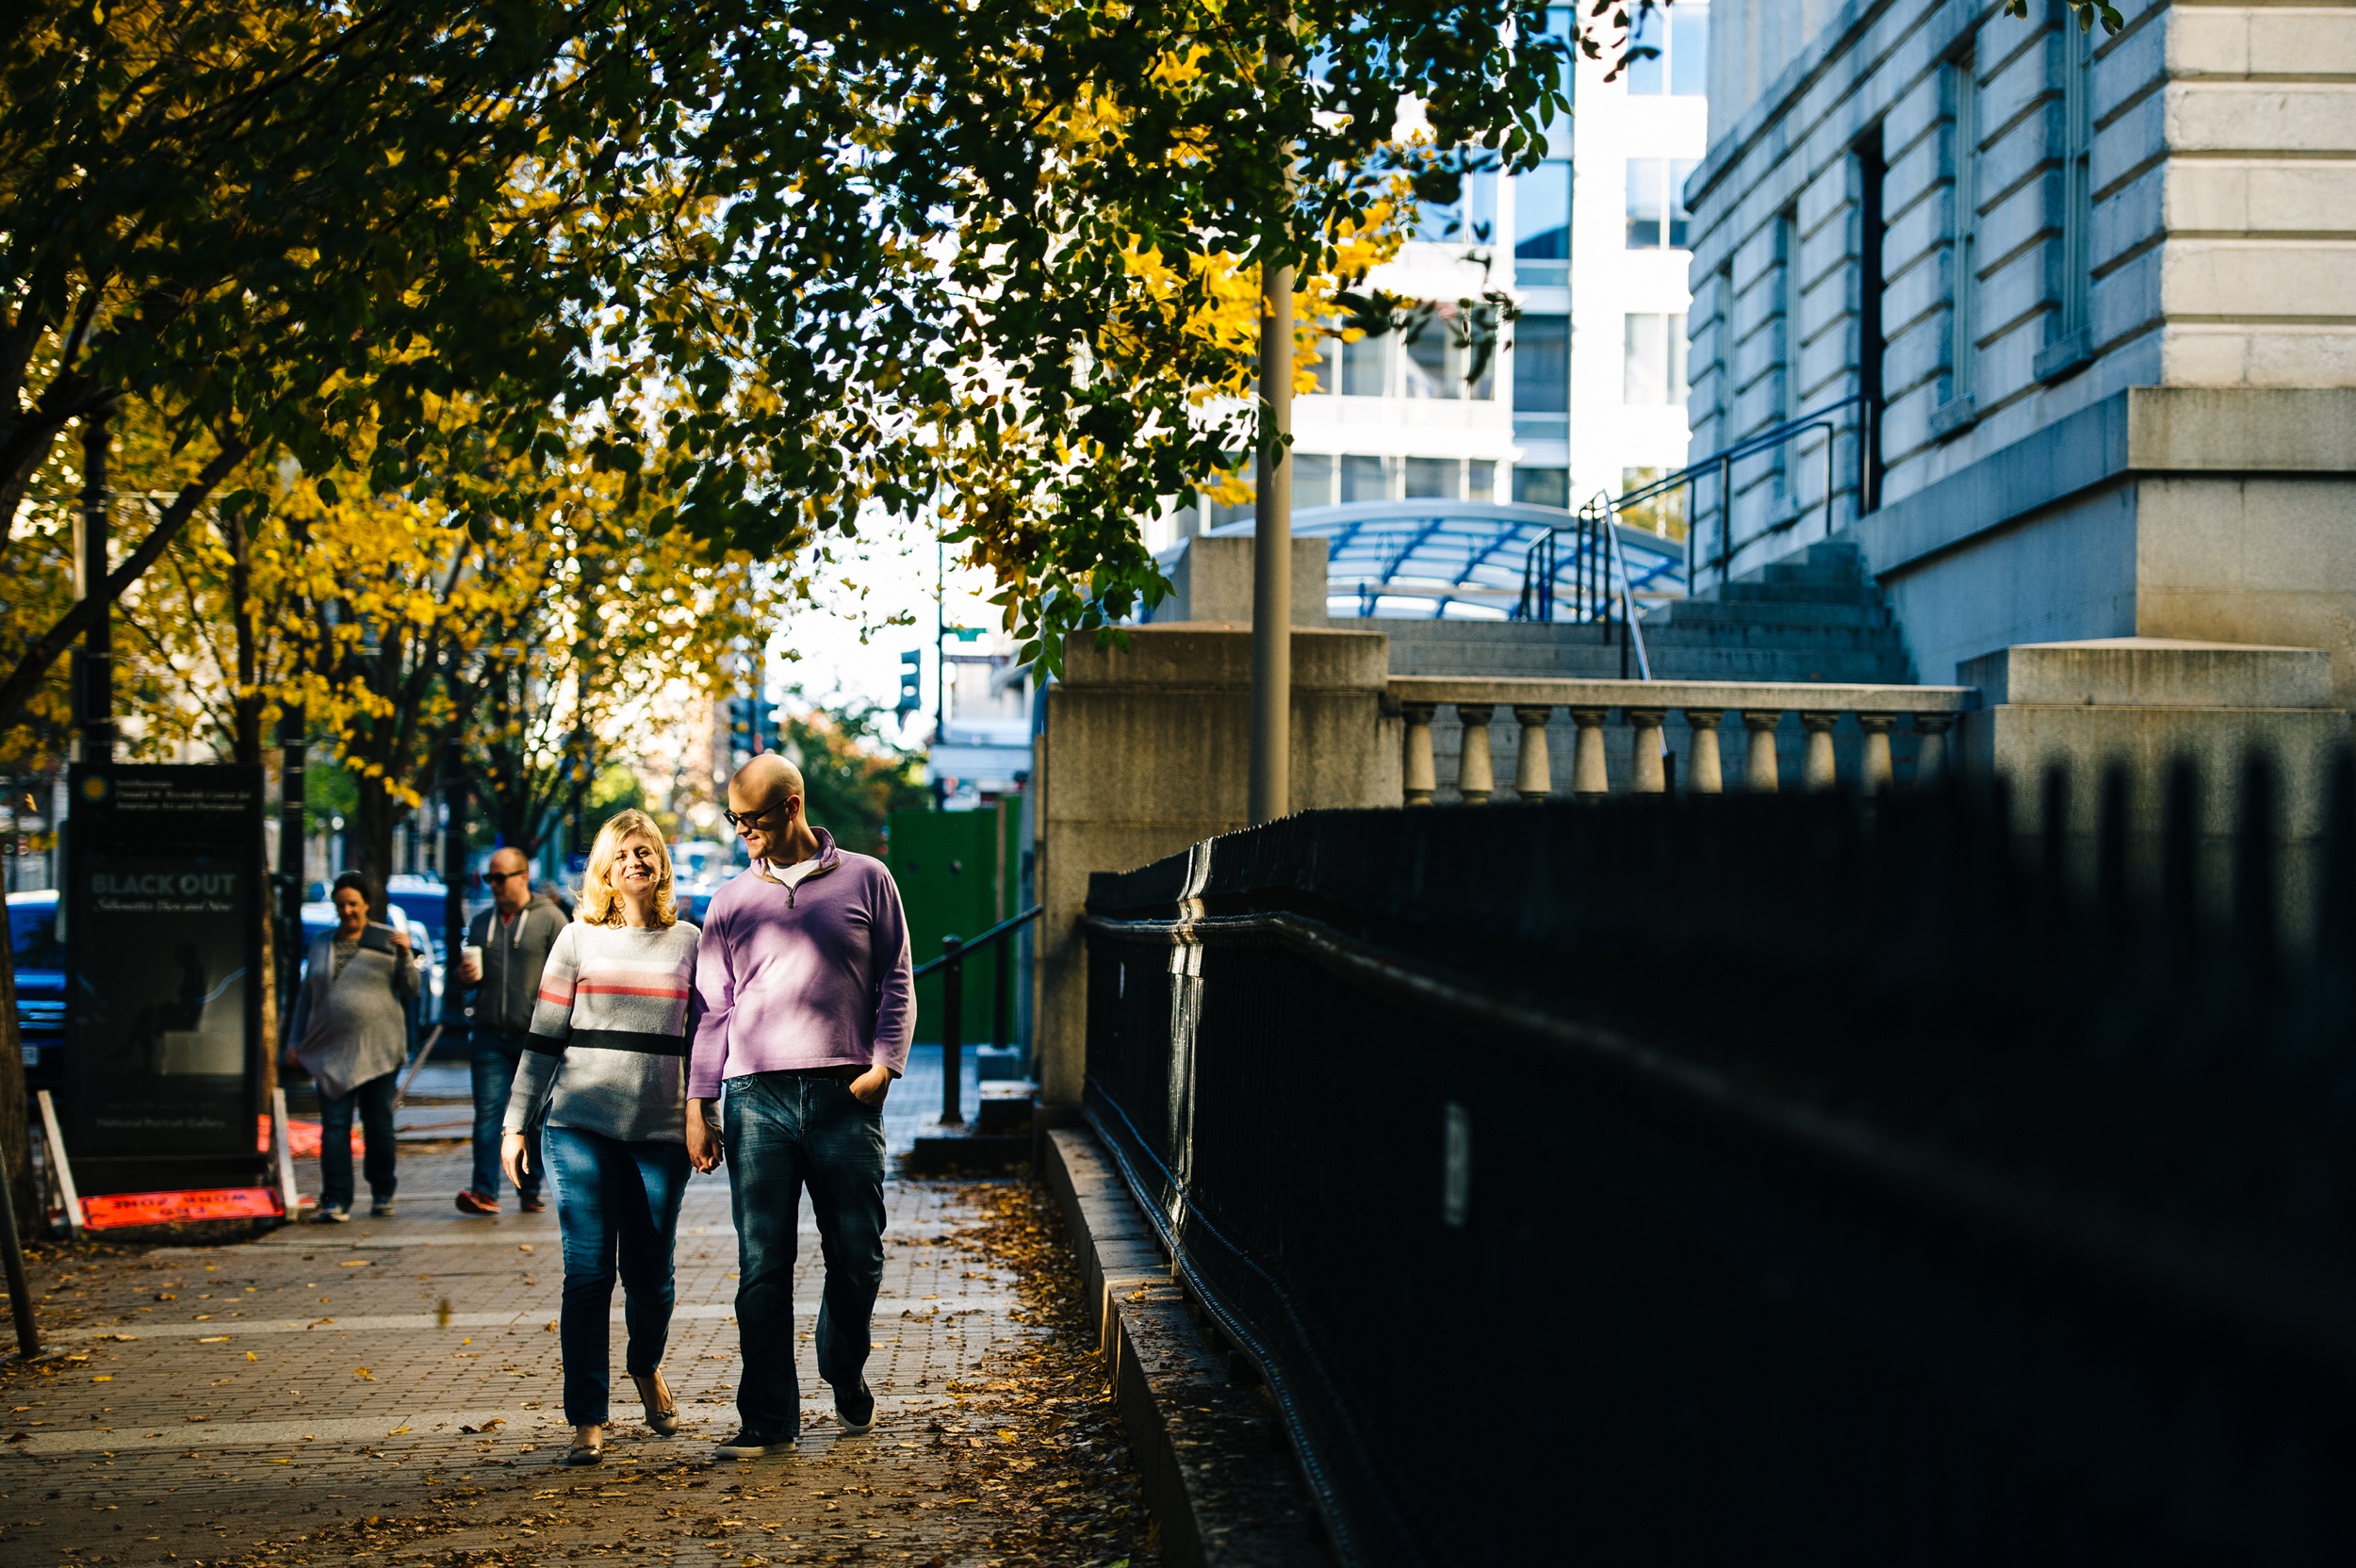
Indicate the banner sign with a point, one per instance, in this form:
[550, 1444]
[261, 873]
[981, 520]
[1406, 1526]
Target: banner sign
[122, 1210]
[163, 971]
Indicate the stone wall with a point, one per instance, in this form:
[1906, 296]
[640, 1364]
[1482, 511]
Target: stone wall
[2216, 231]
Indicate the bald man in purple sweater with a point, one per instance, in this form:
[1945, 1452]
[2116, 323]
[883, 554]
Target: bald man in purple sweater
[807, 1001]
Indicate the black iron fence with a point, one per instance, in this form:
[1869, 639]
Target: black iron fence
[1760, 1178]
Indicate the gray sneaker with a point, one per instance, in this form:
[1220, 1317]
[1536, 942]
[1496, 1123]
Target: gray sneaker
[749, 1444]
[331, 1213]
[854, 1412]
[381, 1211]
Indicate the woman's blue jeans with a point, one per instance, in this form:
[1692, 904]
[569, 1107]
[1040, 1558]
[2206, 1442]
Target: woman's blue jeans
[618, 1204]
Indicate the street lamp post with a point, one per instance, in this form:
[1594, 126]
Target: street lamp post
[97, 671]
[1272, 545]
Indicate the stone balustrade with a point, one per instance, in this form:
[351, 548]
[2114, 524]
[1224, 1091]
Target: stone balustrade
[1644, 707]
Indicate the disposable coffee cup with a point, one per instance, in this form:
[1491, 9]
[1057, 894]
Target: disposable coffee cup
[471, 956]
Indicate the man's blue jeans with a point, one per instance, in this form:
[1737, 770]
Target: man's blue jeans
[617, 1206]
[495, 1055]
[373, 1100]
[783, 1132]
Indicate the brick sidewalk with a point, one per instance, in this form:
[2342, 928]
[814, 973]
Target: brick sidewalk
[391, 1388]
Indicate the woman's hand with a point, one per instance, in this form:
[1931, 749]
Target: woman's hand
[703, 1139]
[512, 1158]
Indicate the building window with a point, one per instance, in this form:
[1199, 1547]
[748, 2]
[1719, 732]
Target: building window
[1962, 334]
[1470, 220]
[1434, 478]
[1656, 202]
[1787, 311]
[1872, 342]
[1654, 367]
[1365, 479]
[2077, 172]
[1542, 375]
[1366, 365]
[1437, 360]
[1543, 486]
[1313, 480]
[1480, 480]
[1681, 67]
[1663, 513]
[1542, 227]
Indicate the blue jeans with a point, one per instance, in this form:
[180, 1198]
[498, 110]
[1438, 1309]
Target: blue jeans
[373, 1100]
[618, 1204]
[495, 1055]
[785, 1131]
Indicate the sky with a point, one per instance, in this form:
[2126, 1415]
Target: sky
[844, 646]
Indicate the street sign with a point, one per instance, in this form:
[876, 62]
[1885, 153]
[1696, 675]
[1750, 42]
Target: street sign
[163, 1067]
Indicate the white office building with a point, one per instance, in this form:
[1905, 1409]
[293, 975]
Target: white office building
[1588, 392]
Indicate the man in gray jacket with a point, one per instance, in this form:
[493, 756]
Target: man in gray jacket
[513, 937]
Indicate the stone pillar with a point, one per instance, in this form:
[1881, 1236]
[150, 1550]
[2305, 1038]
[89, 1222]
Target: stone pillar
[1758, 755]
[1143, 751]
[1647, 777]
[1420, 776]
[1474, 780]
[1588, 775]
[1816, 765]
[1930, 762]
[1534, 772]
[1705, 774]
[1876, 728]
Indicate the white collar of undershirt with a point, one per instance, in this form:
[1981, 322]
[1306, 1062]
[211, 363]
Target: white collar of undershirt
[786, 875]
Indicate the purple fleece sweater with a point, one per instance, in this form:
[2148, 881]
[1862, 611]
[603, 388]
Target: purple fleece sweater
[813, 975]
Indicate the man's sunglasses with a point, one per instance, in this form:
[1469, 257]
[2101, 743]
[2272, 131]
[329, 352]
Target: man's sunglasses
[493, 879]
[751, 819]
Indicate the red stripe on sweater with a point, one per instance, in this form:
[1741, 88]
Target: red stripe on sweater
[603, 987]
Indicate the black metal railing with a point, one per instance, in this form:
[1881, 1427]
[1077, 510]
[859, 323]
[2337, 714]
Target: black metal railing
[954, 953]
[1684, 1179]
[1601, 588]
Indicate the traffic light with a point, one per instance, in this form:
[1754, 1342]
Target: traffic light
[773, 732]
[743, 741]
[911, 679]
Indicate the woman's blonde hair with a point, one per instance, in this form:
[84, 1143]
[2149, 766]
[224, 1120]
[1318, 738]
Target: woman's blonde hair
[599, 904]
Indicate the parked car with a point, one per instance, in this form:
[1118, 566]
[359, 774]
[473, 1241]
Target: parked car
[40, 955]
[319, 919]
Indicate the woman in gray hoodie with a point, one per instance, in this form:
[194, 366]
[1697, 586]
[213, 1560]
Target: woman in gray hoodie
[351, 1032]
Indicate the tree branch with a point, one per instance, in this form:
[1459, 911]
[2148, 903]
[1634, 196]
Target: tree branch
[31, 669]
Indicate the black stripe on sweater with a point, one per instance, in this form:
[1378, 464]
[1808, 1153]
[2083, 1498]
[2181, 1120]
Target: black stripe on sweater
[645, 1043]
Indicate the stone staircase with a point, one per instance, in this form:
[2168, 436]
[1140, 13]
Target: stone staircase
[1816, 615]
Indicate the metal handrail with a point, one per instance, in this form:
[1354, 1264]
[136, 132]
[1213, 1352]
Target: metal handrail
[964, 947]
[952, 964]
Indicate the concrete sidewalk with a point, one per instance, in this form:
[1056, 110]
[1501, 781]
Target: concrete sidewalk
[389, 1383]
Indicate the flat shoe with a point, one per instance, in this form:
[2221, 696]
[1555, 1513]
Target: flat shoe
[585, 1453]
[664, 1418]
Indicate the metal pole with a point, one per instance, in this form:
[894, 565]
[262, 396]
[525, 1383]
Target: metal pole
[19, 1293]
[951, 1035]
[1272, 557]
[98, 660]
[453, 870]
[293, 858]
[1002, 994]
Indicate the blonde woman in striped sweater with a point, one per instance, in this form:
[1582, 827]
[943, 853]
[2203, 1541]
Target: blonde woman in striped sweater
[607, 1060]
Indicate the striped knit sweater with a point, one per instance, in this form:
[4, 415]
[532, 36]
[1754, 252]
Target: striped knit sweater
[608, 1048]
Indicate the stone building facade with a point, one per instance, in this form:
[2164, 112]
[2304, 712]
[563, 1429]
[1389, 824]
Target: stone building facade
[2089, 300]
